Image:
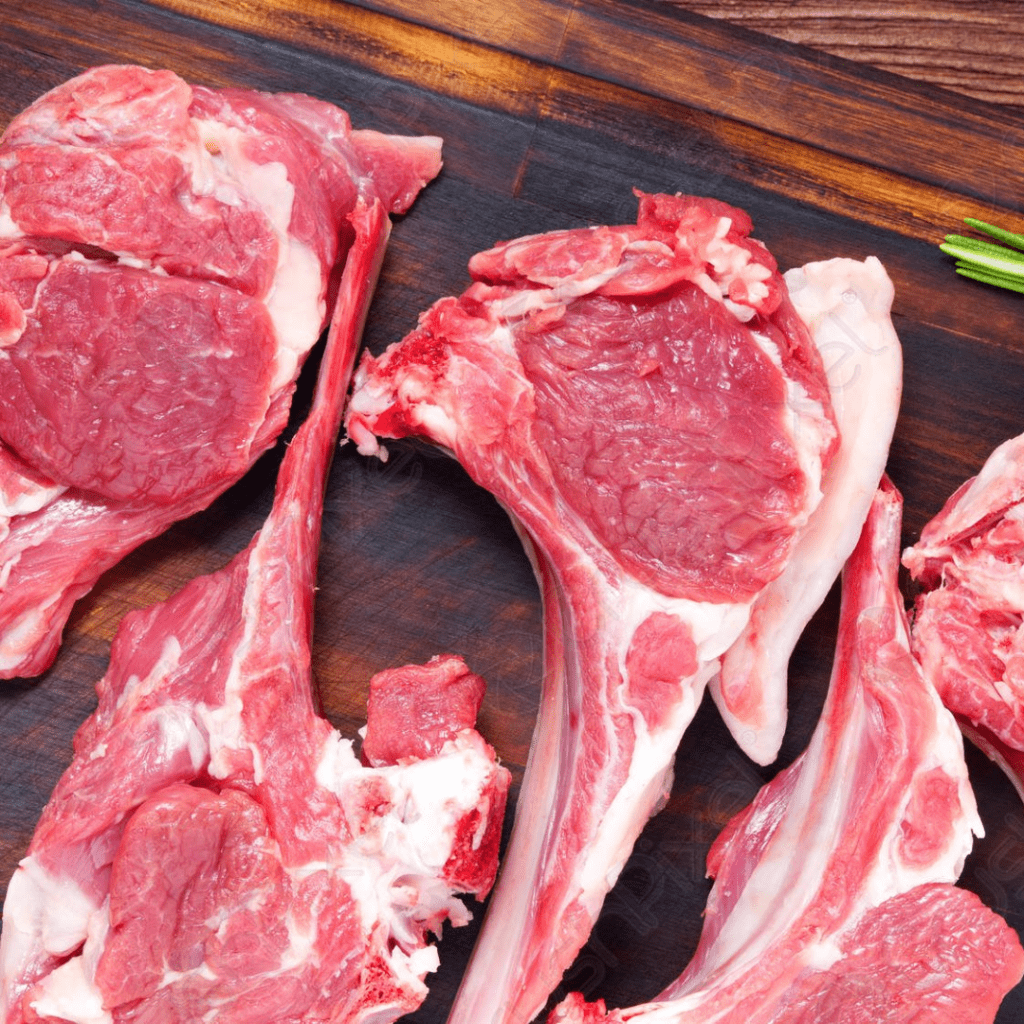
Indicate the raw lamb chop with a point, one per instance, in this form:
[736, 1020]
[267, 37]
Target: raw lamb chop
[216, 851]
[646, 403]
[833, 895]
[167, 259]
[968, 629]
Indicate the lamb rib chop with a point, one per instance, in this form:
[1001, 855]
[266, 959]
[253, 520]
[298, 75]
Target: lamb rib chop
[654, 414]
[216, 851]
[168, 256]
[833, 895]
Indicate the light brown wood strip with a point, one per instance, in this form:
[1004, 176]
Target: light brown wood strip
[531, 28]
[416, 54]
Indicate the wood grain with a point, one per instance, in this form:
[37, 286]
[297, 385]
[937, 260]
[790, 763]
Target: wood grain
[552, 112]
[967, 47]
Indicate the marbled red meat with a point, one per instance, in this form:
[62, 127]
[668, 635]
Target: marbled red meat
[158, 389]
[637, 474]
[419, 710]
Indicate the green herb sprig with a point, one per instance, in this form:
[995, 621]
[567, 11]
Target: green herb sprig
[985, 261]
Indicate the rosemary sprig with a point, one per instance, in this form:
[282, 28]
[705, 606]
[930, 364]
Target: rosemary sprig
[985, 261]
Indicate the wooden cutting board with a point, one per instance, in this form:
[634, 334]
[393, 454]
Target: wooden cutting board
[552, 112]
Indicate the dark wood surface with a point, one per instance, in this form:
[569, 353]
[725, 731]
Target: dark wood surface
[552, 111]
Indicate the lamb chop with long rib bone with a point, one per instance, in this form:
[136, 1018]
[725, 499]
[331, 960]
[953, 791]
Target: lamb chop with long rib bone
[216, 851]
[834, 895]
[649, 406]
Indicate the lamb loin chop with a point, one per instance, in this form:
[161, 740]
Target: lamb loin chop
[653, 412]
[168, 257]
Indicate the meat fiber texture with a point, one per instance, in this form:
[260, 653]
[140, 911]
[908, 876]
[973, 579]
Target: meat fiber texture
[168, 255]
[834, 896]
[216, 851]
[653, 411]
[968, 628]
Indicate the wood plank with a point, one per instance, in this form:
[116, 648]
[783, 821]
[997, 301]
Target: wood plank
[864, 192]
[966, 46]
[532, 29]
[408, 52]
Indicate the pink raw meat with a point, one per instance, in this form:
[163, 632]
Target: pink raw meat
[154, 393]
[216, 851]
[647, 404]
[833, 895]
[418, 711]
[968, 629]
[168, 254]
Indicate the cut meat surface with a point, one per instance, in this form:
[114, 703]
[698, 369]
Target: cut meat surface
[418, 711]
[833, 895]
[167, 257]
[216, 851]
[650, 408]
[158, 392]
[668, 530]
[969, 620]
